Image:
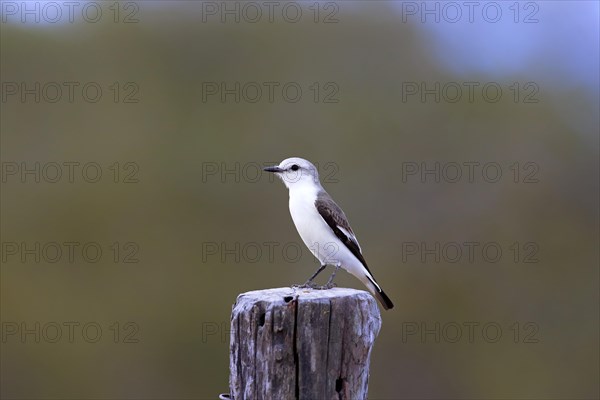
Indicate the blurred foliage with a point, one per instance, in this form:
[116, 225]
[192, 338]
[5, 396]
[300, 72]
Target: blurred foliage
[175, 293]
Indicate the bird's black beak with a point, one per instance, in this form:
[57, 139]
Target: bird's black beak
[273, 169]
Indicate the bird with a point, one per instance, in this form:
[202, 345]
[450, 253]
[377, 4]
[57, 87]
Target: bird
[323, 226]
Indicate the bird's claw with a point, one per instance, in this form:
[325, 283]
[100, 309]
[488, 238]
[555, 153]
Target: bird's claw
[306, 285]
[326, 286]
[312, 285]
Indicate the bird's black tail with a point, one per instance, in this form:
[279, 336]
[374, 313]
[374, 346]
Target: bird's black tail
[384, 300]
[379, 293]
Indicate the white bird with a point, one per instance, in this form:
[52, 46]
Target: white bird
[323, 226]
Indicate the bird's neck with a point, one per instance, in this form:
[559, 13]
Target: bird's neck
[307, 191]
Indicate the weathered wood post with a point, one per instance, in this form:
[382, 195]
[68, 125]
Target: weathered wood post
[302, 344]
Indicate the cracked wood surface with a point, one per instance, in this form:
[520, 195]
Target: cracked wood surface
[302, 344]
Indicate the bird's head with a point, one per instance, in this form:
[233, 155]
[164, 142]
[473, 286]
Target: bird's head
[295, 172]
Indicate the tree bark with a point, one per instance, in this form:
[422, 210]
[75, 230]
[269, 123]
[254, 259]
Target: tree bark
[302, 344]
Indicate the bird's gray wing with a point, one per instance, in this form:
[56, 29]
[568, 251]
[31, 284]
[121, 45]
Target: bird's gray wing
[337, 221]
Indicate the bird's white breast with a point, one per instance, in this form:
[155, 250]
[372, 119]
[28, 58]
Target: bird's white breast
[313, 229]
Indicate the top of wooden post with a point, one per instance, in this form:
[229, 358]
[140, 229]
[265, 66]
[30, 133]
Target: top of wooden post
[293, 343]
[287, 294]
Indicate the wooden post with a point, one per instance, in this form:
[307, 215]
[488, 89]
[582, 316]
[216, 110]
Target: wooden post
[302, 344]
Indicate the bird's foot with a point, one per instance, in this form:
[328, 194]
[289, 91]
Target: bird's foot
[327, 286]
[312, 285]
[305, 285]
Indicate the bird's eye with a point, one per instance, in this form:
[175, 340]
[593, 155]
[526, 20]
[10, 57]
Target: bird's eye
[295, 167]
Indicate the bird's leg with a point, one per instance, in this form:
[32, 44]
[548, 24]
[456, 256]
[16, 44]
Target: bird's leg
[309, 283]
[330, 283]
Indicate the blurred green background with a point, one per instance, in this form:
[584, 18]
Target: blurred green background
[183, 204]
